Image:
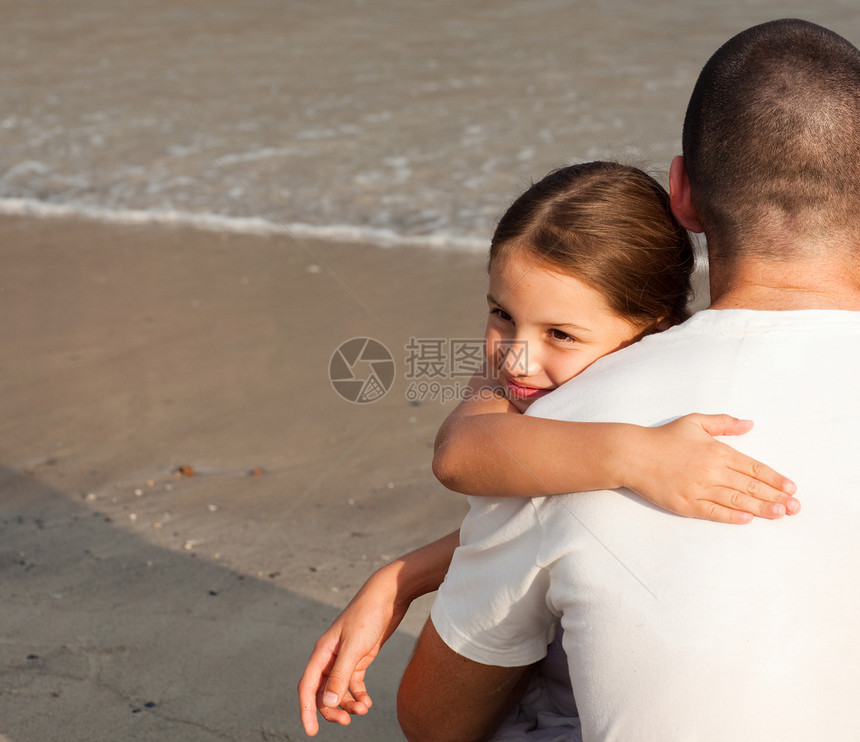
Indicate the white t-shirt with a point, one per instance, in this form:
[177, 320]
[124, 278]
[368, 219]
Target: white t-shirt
[680, 629]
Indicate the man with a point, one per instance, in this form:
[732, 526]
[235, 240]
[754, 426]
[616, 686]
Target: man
[679, 629]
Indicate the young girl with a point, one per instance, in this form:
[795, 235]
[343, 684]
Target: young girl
[585, 262]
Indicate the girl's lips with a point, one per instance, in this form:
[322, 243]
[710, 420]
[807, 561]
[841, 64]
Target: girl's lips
[521, 391]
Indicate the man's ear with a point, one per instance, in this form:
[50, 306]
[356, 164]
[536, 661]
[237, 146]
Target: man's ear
[680, 198]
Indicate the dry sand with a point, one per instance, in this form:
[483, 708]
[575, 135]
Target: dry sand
[141, 604]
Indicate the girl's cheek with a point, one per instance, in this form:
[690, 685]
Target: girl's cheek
[491, 349]
[492, 361]
[490, 340]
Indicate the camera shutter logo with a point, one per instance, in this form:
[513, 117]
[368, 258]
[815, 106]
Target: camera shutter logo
[361, 370]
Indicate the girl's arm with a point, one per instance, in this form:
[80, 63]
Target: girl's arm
[483, 449]
[333, 680]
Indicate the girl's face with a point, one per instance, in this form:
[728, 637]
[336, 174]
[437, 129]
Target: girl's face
[545, 327]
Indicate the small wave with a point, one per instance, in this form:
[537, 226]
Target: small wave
[241, 225]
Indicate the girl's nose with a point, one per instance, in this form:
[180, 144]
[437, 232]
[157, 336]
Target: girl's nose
[514, 357]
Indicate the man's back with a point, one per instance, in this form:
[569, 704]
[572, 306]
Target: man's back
[681, 629]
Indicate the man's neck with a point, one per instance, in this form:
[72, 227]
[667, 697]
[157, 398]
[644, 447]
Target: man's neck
[808, 284]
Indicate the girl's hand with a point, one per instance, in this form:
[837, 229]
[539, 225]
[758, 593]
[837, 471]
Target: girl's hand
[680, 467]
[333, 680]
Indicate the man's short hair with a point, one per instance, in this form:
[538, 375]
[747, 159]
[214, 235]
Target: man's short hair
[772, 138]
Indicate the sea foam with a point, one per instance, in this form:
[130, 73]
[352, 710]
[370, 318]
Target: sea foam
[342, 233]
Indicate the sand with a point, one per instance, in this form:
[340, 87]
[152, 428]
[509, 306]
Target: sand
[142, 604]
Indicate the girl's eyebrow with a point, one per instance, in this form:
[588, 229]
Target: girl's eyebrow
[578, 328]
[495, 302]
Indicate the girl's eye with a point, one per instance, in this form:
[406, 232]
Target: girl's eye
[501, 314]
[562, 336]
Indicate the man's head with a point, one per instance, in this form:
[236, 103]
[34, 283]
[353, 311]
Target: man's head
[772, 143]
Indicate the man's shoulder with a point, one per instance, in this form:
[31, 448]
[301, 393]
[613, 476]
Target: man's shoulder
[664, 372]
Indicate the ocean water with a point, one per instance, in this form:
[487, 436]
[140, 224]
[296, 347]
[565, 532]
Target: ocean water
[370, 121]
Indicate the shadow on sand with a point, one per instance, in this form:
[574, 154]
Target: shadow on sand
[107, 637]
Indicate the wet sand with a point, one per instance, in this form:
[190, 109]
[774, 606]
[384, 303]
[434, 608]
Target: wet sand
[142, 603]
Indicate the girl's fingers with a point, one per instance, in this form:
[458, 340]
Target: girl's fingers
[360, 694]
[763, 503]
[341, 715]
[341, 677]
[753, 492]
[309, 720]
[350, 705]
[335, 716]
[356, 702]
[317, 668]
[753, 505]
[762, 473]
[727, 425]
[354, 706]
[720, 424]
[721, 514]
